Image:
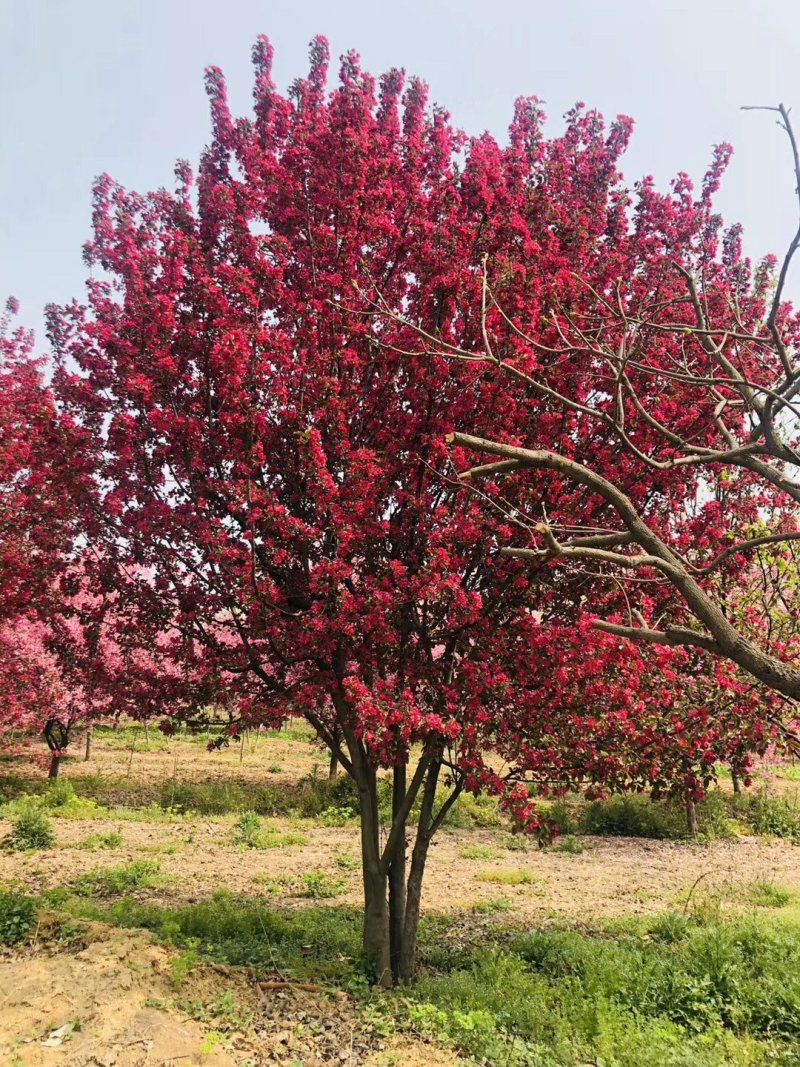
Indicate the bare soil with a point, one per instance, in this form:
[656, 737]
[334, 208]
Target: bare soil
[614, 876]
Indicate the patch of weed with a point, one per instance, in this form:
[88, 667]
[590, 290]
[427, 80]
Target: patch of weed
[570, 845]
[477, 852]
[771, 815]
[321, 886]
[17, 917]
[114, 881]
[31, 829]
[347, 862]
[184, 963]
[248, 831]
[513, 877]
[493, 905]
[107, 839]
[765, 894]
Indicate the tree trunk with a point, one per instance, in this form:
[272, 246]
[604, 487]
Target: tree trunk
[333, 766]
[56, 734]
[408, 949]
[397, 876]
[691, 818]
[737, 782]
[88, 753]
[376, 909]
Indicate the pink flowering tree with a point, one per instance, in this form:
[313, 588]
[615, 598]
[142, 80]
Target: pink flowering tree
[273, 486]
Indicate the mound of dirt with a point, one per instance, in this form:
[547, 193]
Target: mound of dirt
[94, 1007]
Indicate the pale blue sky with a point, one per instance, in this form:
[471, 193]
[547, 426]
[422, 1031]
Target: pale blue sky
[116, 85]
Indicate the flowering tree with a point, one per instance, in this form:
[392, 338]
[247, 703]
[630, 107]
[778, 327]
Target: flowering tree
[273, 483]
[41, 694]
[39, 472]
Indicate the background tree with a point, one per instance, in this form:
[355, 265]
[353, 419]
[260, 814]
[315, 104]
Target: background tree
[40, 470]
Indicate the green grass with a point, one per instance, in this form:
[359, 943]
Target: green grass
[789, 771]
[306, 943]
[104, 839]
[765, 894]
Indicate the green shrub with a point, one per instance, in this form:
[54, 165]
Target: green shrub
[17, 917]
[633, 816]
[474, 812]
[563, 816]
[30, 829]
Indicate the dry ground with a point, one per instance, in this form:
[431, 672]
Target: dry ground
[614, 876]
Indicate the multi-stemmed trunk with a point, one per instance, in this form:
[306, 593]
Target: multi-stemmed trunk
[392, 884]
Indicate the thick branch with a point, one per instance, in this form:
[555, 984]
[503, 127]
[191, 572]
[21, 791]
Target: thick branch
[731, 643]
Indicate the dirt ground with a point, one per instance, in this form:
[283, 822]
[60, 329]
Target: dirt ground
[107, 1001]
[104, 999]
[613, 876]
